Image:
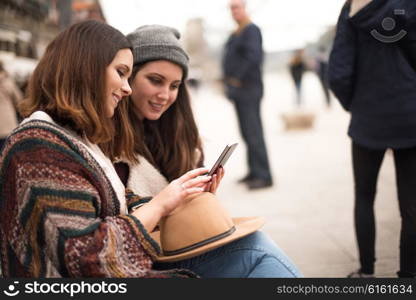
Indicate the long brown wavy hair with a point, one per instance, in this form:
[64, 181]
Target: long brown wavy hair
[69, 82]
[169, 143]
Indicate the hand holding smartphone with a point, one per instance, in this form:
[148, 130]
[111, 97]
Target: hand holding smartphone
[222, 159]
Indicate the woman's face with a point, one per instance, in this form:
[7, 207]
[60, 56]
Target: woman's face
[117, 75]
[155, 88]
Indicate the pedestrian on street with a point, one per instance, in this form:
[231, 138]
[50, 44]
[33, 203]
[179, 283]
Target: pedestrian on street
[167, 141]
[242, 71]
[297, 68]
[373, 79]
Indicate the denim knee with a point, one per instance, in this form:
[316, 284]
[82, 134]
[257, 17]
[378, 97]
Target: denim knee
[270, 252]
[255, 255]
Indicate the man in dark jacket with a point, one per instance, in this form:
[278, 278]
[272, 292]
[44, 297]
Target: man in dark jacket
[371, 73]
[242, 67]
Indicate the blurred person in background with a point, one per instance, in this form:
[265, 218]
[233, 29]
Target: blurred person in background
[242, 71]
[373, 79]
[322, 72]
[297, 68]
[10, 96]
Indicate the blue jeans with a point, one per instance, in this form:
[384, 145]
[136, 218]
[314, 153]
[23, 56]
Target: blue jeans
[253, 256]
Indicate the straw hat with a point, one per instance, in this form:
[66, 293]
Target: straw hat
[200, 225]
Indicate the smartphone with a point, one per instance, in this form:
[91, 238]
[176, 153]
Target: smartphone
[222, 159]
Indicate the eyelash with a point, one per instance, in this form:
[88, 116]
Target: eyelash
[155, 80]
[158, 81]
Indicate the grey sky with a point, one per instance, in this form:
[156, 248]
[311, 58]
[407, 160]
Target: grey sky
[286, 24]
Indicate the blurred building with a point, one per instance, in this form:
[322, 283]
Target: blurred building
[203, 65]
[28, 26]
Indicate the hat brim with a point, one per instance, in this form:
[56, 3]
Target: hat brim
[243, 225]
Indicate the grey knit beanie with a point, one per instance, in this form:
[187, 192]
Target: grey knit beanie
[155, 42]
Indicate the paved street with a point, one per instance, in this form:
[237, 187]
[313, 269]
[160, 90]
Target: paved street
[309, 211]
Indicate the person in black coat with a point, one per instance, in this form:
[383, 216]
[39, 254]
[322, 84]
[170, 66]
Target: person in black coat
[242, 68]
[371, 74]
[297, 67]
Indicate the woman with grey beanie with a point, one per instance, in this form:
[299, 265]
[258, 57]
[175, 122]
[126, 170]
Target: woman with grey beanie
[167, 144]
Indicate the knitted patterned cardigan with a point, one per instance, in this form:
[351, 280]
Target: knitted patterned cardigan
[59, 215]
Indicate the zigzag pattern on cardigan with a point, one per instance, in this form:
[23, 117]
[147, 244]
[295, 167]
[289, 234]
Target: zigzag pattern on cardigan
[59, 215]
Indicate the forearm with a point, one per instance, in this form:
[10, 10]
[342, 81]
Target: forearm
[149, 215]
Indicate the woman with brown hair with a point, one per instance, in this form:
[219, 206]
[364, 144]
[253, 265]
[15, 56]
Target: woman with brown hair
[166, 138]
[297, 68]
[167, 143]
[63, 209]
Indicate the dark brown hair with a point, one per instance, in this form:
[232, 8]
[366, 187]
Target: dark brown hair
[169, 143]
[69, 82]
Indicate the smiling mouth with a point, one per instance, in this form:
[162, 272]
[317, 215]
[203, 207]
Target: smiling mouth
[116, 99]
[156, 106]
